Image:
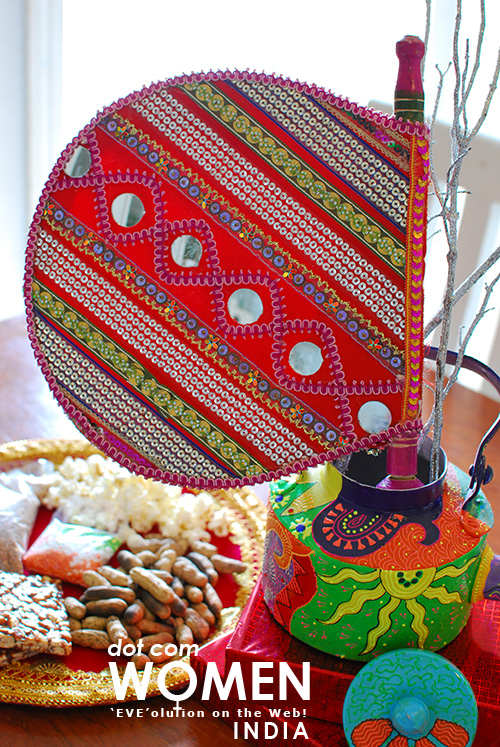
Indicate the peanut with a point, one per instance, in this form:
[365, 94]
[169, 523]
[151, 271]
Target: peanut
[203, 610]
[205, 548]
[181, 546]
[160, 657]
[138, 544]
[74, 624]
[177, 586]
[166, 561]
[148, 615]
[212, 599]
[151, 640]
[199, 626]
[97, 639]
[193, 594]
[151, 583]
[140, 660]
[167, 544]
[183, 634]
[92, 578]
[128, 560]
[205, 565]
[178, 606]
[114, 576]
[106, 592]
[74, 608]
[227, 565]
[164, 575]
[115, 629]
[106, 607]
[133, 614]
[150, 628]
[133, 631]
[187, 571]
[157, 608]
[147, 557]
[93, 622]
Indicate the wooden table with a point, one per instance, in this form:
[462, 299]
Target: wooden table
[28, 411]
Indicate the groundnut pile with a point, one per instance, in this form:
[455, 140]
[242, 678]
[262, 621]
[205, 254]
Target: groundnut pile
[163, 593]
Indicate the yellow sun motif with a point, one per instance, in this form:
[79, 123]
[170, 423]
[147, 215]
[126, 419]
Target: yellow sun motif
[398, 586]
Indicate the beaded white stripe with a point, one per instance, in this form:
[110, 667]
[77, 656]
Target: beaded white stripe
[142, 332]
[336, 146]
[275, 207]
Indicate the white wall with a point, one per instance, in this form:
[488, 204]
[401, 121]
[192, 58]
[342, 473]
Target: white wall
[30, 141]
[111, 47]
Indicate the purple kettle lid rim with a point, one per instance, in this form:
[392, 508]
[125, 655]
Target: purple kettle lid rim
[401, 501]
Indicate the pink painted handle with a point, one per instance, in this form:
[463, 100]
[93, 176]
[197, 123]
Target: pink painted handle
[410, 51]
[409, 95]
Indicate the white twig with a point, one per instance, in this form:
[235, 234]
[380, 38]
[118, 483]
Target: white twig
[434, 180]
[477, 62]
[467, 284]
[487, 102]
[450, 225]
[461, 139]
[428, 7]
[482, 311]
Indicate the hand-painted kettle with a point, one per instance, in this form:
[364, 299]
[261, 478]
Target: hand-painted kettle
[355, 569]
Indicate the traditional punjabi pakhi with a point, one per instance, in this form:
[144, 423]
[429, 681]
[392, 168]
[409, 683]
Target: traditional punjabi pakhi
[224, 278]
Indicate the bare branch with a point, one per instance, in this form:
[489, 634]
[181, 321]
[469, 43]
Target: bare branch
[482, 311]
[456, 65]
[455, 163]
[450, 225]
[447, 196]
[487, 103]
[437, 408]
[477, 61]
[463, 82]
[434, 217]
[467, 284]
[435, 233]
[437, 189]
[428, 7]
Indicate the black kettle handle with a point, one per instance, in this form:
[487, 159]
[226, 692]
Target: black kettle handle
[480, 472]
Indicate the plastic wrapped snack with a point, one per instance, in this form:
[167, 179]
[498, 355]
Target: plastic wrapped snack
[36, 475]
[67, 550]
[18, 510]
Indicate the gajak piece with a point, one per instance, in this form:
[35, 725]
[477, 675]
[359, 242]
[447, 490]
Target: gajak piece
[33, 619]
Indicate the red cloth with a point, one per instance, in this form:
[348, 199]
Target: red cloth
[234, 711]
[476, 651]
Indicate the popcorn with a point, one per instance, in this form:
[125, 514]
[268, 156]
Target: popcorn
[99, 493]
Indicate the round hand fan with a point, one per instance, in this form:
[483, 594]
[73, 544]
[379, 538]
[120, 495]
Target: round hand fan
[224, 278]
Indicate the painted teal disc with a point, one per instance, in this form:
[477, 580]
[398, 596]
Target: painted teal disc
[413, 694]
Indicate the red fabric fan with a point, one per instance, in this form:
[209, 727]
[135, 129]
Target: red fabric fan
[224, 278]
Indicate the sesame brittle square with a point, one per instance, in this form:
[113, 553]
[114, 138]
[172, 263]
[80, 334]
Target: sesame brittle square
[33, 619]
